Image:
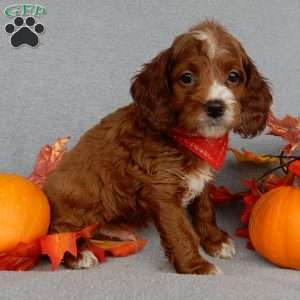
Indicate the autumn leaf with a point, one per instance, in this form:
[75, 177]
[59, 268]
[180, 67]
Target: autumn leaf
[47, 160]
[269, 182]
[252, 185]
[250, 246]
[295, 167]
[120, 248]
[21, 258]
[247, 156]
[249, 199]
[221, 194]
[273, 181]
[128, 248]
[287, 128]
[245, 216]
[56, 245]
[86, 232]
[242, 232]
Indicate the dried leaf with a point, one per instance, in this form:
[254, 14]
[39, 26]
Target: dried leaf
[287, 128]
[21, 258]
[47, 160]
[245, 216]
[295, 167]
[273, 181]
[120, 248]
[250, 246]
[247, 156]
[222, 195]
[249, 200]
[87, 232]
[56, 245]
[242, 232]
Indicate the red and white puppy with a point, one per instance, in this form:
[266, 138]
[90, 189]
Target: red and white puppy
[128, 170]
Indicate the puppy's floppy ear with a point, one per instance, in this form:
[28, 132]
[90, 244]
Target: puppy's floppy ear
[255, 105]
[151, 91]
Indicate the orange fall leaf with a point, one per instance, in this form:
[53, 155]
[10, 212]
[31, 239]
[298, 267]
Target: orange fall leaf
[119, 248]
[56, 245]
[248, 156]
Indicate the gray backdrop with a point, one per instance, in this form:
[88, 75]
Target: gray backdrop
[81, 71]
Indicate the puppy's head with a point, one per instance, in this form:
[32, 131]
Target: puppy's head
[205, 83]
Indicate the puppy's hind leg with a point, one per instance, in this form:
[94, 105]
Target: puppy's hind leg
[120, 232]
[85, 259]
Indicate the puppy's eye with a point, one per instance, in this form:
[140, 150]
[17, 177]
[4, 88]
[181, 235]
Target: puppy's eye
[233, 77]
[187, 78]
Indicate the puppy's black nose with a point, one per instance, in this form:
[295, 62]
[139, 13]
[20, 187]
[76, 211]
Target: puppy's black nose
[214, 108]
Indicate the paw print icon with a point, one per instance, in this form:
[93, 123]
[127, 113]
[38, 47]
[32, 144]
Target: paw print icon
[24, 32]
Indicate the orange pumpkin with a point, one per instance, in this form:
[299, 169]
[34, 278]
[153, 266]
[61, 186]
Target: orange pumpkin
[24, 211]
[274, 226]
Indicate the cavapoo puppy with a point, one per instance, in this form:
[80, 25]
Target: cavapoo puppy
[130, 168]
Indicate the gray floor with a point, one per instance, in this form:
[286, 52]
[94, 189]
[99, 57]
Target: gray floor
[81, 71]
[148, 275]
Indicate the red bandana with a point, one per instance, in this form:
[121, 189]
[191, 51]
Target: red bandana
[212, 150]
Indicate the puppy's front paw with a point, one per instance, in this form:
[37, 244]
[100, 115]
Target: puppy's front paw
[208, 269]
[221, 249]
[226, 250]
[201, 268]
[85, 260]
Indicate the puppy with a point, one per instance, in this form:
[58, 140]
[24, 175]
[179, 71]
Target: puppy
[129, 170]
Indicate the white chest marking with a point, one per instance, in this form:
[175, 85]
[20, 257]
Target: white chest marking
[196, 182]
